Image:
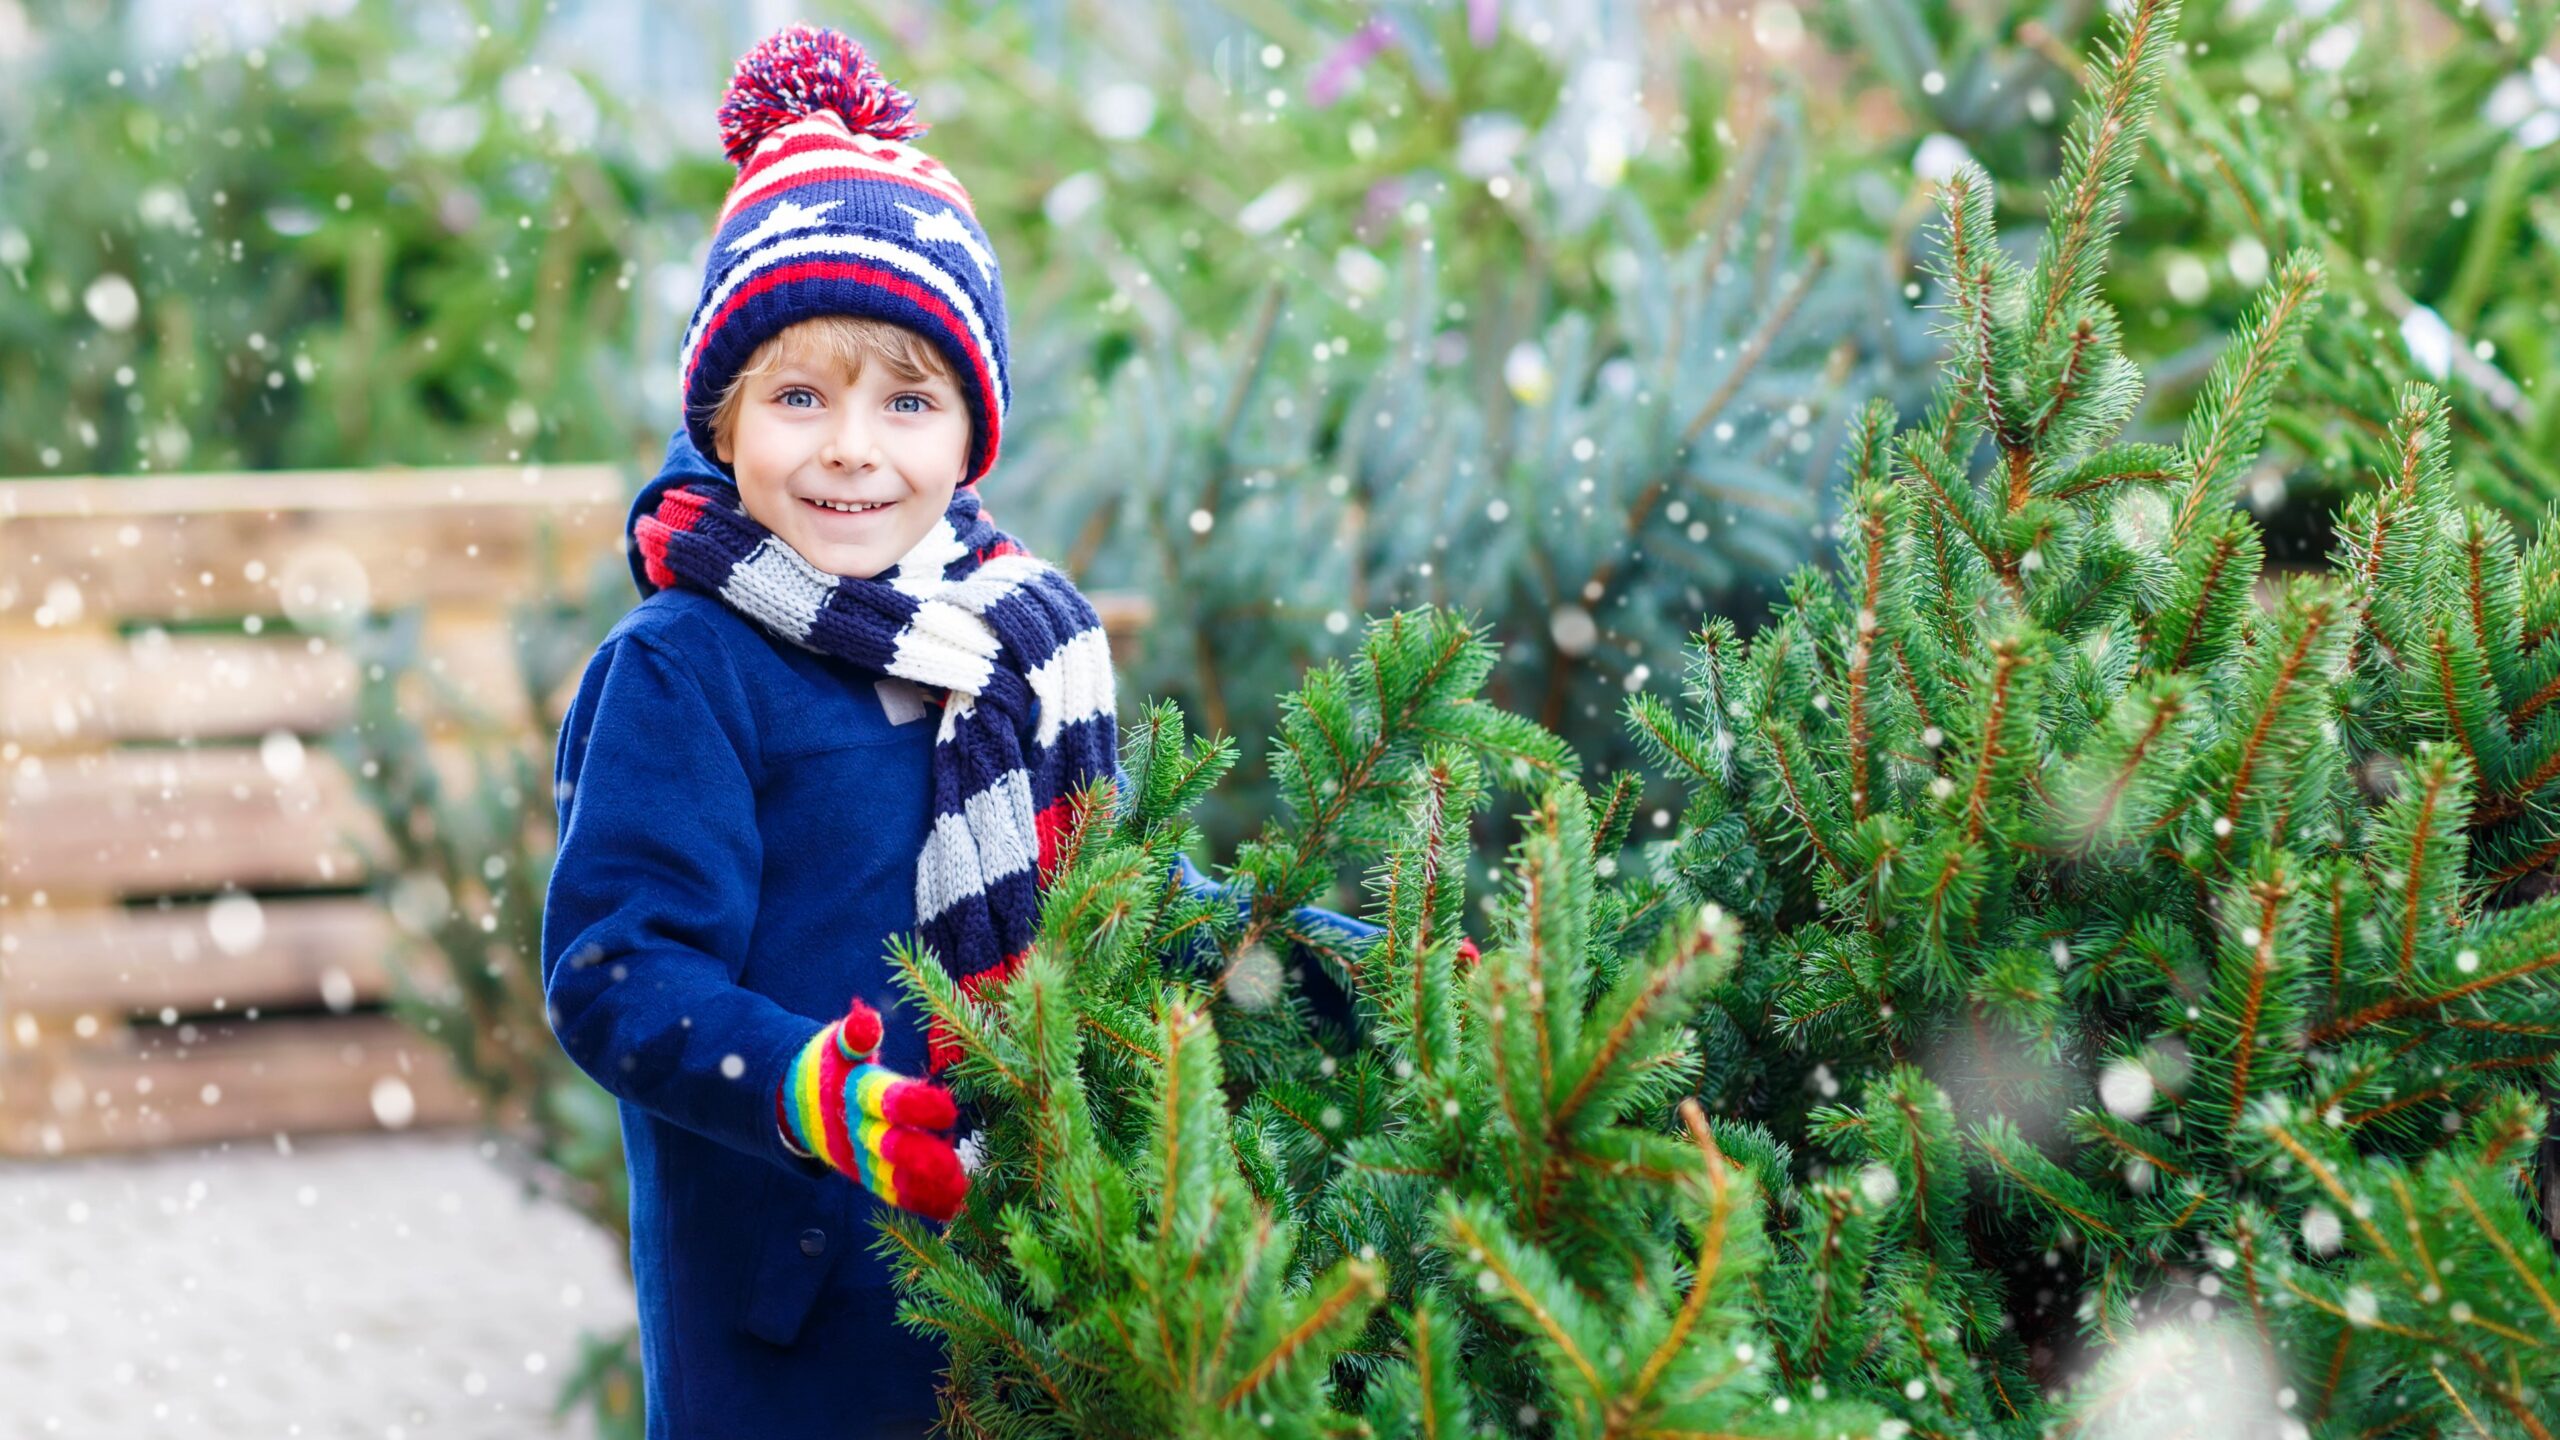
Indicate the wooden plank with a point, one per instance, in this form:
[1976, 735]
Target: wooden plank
[1125, 614]
[76, 690]
[111, 963]
[194, 1084]
[79, 690]
[363, 492]
[136, 824]
[149, 822]
[311, 545]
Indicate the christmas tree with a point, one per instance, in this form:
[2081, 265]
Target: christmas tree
[2124, 966]
[1434, 1217]
[2155, 944]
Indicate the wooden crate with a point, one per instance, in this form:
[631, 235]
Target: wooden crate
[186, 952]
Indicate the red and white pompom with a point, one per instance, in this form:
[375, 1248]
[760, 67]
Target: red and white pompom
[802, 70]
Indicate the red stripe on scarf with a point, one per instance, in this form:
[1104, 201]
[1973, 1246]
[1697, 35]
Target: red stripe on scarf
[678, 510]
[941, 1046]
[1052, 825]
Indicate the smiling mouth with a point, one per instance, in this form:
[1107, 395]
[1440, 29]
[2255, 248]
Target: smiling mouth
[847, 507]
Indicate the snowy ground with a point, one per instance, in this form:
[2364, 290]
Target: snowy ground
[388, 1287]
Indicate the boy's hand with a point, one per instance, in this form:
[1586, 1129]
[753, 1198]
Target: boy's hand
[872, 1123]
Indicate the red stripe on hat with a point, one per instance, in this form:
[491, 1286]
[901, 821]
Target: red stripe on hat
[873, 275]
[806, 142]
[755, 183]
[803, 136]
[867, 274]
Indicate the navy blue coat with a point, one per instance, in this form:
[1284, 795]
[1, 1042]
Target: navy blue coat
[739, 825]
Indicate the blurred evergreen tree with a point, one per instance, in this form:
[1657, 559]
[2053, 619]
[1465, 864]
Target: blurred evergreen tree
[2138, 994]
[470, 864]
[380, 236]
[1378, 306]
[2404, 141]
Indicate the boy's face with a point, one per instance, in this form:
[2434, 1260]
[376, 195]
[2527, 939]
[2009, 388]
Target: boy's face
[809, 433]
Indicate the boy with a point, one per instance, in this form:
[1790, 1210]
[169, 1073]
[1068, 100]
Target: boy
[848, 708]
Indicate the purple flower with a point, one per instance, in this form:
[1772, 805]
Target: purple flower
[1325, 86]
[1484, 20]
[1378, 209]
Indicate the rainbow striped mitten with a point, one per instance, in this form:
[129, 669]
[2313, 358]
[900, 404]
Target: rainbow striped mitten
[871, 1122]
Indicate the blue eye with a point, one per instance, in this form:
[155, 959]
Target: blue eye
[922, 402]
[785, 396]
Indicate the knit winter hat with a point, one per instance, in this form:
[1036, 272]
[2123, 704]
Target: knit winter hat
[834, 213]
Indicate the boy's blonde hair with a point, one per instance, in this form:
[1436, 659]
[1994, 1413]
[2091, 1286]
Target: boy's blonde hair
[846, 342]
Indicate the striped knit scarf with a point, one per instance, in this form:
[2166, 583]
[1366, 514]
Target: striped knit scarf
[1028, 724]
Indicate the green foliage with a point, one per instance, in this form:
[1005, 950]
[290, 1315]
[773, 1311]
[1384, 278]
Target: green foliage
[2403, 142]
[2410, 165]
[1498, 319]
[378, 236]
[1411, 343]
[1467, 1209]
[2138, 916]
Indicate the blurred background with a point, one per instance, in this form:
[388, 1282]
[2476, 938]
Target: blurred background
[334, 338]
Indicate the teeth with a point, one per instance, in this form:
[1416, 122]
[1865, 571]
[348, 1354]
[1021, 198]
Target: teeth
[849, 509]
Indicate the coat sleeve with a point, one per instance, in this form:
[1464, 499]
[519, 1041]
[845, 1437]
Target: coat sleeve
[1324, 994]
[652, 899]
[1197, 882]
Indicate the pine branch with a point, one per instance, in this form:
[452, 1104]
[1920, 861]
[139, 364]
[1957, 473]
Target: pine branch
[2402, 1007]
[1869, 509]
[1932, 468]
[2143, 729]
[2224, 430]
[1352, 1284]
[2098, 161]
[2019, 1167]
[1711, 1241]
[2313, 622]
[2275, 1126]
[2116, 465]
[2008, 659]
[2488, 1230]
[2078, 360]
[1500, 1256]
[1660, 993]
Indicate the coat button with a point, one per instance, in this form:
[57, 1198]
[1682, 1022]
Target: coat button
[813, 1243]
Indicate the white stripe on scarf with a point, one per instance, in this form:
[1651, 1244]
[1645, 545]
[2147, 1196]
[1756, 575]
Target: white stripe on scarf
[966, 854]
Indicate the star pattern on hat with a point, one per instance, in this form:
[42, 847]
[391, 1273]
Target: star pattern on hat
[945, 226]
[786, 216]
